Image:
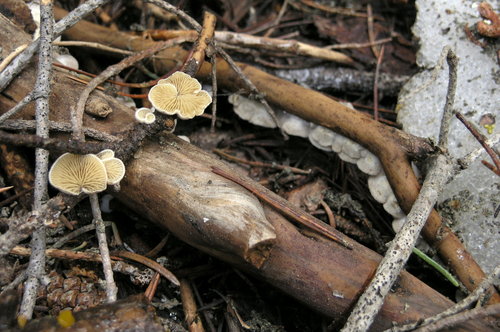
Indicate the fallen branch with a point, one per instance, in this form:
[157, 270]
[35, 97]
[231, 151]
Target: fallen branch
[392, 146]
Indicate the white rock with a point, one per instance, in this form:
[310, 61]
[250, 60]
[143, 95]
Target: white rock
[295, 126]
[352, 149]
[369, 163]
[392, 207]
[67, 60]
[398, 223]
[252, 111]
[322, 138]
[347, 158]
[379, 187]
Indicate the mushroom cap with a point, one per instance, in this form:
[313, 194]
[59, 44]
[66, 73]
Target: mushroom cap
[145, 115]
[295, 126]
[183, 82]
[322, 138]
[106, 154]
[150, 118]
[115, 170]
[73, 174]
[251, 110]
[179, 94]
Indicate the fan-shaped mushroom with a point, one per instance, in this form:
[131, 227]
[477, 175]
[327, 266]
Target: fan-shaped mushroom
[74, 174]
[115, 169]
[179, 94]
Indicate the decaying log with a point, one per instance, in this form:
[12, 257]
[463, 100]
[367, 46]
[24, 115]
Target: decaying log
[393, 147]
[171, 183]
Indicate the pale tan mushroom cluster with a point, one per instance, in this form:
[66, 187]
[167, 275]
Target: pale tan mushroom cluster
[179, 94]
[75, 174]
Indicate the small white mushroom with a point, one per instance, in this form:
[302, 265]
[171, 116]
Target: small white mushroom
[106, 154]
[73, 174]
[347, 158]
[352, 149]
[398, 223]
[67, 60]
[338, 143]
[369, 163]
[251, 111]
[379, 187]
[295, 126]
[392, 207]
[322, 138]
[145, 115]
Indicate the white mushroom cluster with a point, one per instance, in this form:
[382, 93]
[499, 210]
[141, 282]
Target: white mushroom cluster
[75, 174]
[145, 115]
[327, 140]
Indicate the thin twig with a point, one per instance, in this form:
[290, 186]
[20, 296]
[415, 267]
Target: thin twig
[278, 19]
[193, 321]
[260, 164]
[97, 46]
[20, 124]
[153, 286]
[453, 320]
[371, 34]
[5, 62]
[76, 233]
[19, 106]
[149, 263]
[452, 60]
[485, 285]
[358, 45]
[193, 64]
[329, 213]
[56, 145]
[481, 139]
[36, 267]
[333, 10]
[241, 42]
[111, 289]
[370, 302]
[468, 159]
[118, 266]
[213, 62]
[77, 113]
[23, 59]
[375, 83]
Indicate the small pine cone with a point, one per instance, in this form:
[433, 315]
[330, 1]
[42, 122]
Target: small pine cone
[73, 291]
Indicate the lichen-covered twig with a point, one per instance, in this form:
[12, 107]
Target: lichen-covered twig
[36, 267]
[20, 124]
[461, 317]
[111, 289]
